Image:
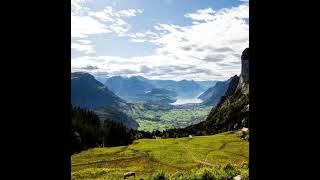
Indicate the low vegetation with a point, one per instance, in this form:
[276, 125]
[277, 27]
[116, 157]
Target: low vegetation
[219, 156]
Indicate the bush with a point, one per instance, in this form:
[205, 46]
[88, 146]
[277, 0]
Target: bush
[207, 175]
[159, 176]
[227, 172]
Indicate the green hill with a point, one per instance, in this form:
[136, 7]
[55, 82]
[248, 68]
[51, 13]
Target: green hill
[221, 155]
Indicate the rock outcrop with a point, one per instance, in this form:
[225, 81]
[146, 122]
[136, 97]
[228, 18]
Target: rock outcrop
[233, 85]
[244, 76]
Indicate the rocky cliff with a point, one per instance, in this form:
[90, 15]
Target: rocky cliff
[244, 76]
[232, 111]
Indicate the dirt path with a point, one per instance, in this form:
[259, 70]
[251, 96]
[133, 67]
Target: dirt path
[194, 158]
[111, 160]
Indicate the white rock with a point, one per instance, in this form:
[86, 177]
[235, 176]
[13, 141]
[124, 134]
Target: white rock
[237, 177]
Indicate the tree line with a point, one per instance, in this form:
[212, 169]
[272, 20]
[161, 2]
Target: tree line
[88, 131]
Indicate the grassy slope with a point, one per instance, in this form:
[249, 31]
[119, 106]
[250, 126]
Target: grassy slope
[148, 156]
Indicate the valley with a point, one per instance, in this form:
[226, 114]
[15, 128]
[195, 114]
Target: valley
[151, 119]
[146, 104]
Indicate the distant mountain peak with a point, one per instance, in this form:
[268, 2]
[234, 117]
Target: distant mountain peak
[81, 75]
[87, 92]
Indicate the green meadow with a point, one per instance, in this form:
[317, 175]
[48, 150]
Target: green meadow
[221, 155]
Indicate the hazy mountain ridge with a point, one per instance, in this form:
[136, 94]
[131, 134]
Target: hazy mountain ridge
[134, 88]
[87, 92]
[212, 96]
[205, 85]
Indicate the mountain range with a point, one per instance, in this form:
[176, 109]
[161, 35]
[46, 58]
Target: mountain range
[136, 87]
[87, 92]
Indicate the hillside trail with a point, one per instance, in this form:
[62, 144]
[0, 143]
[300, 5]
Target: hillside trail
[205, 162]
[110, 160]
[137, 156]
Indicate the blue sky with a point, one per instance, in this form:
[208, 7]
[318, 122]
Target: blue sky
[159, 39]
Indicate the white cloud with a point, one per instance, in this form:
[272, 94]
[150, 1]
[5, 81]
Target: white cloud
[82, 26]
[106, 15]
[215, 40]
[128, 12]
[84, 41]
[208, 49]
[115, 20]
[96, 22]
[85, 22]
[202, 15]
[156, 67]
[86, 48]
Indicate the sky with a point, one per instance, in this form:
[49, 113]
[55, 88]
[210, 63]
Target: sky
[159, 39]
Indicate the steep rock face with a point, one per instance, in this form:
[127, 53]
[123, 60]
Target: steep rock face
[245, 66]
[244, 76]
[232, 85]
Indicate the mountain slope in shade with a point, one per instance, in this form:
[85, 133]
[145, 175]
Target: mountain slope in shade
[135, 87]
[130, 89]
[183, 88]
[87, 92]
[212, 96]
[205, 85]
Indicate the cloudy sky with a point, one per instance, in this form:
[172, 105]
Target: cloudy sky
[159, 39]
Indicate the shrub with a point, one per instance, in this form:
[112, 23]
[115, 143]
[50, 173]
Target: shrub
[159, 176]
[227, 172]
